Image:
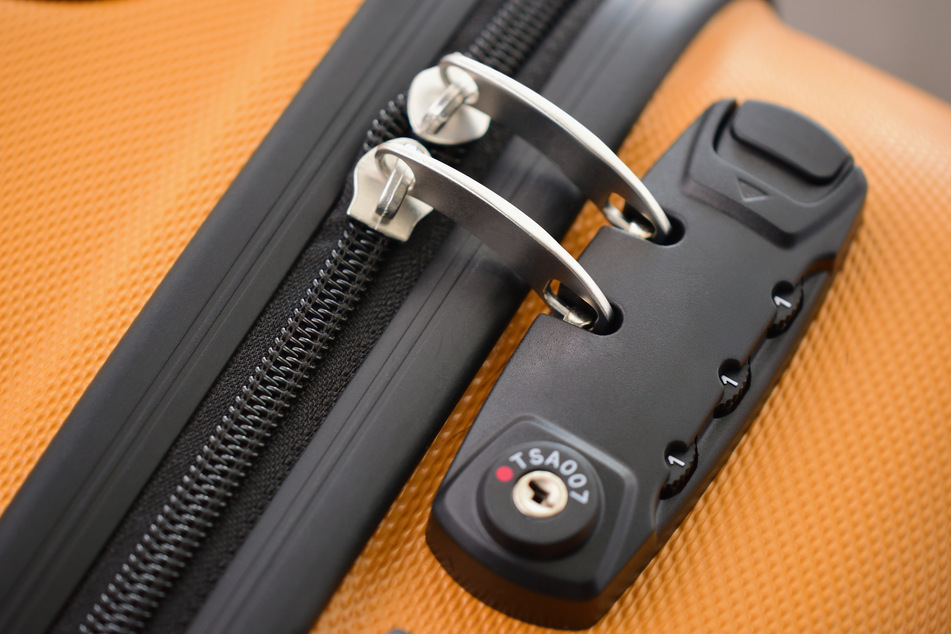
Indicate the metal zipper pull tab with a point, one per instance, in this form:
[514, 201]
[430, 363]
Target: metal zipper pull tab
[398, 183]
[455, 102]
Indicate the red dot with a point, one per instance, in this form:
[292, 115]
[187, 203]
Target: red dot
[504, 474]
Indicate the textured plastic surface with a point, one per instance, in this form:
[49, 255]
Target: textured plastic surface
[117, 141]
[833, 514]
[690, 308]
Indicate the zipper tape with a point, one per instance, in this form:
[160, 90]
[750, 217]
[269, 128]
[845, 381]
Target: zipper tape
[145, 393]
[136, 590]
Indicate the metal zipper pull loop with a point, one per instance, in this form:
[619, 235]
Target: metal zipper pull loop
[456, 92]
[520, 241]
[580, 154]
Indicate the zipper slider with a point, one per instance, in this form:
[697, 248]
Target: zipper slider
[456, 101]
[398, 183]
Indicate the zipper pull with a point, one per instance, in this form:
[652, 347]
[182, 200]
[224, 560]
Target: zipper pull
[456, 101]
[398, 183]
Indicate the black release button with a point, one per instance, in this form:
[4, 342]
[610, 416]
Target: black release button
[790, 138]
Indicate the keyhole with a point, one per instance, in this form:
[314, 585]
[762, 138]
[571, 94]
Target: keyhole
[540, 494]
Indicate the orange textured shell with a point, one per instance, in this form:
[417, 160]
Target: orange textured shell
[834, 513]
[121, 125]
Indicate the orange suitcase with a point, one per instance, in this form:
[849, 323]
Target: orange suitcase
[174, 181]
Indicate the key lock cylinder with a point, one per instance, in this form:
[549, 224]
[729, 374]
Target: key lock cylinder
[542, 499]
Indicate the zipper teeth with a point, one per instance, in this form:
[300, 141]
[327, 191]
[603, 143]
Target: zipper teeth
[191, 511]
[507, 41]
[178, 530]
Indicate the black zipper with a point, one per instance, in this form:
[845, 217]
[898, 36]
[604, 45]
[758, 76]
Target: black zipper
[190, 513]
[160, 555]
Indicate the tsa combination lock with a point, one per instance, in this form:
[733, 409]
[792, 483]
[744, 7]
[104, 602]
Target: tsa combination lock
[592, 448]
[608, 423]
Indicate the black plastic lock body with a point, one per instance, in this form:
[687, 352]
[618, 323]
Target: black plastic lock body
[768, 200]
